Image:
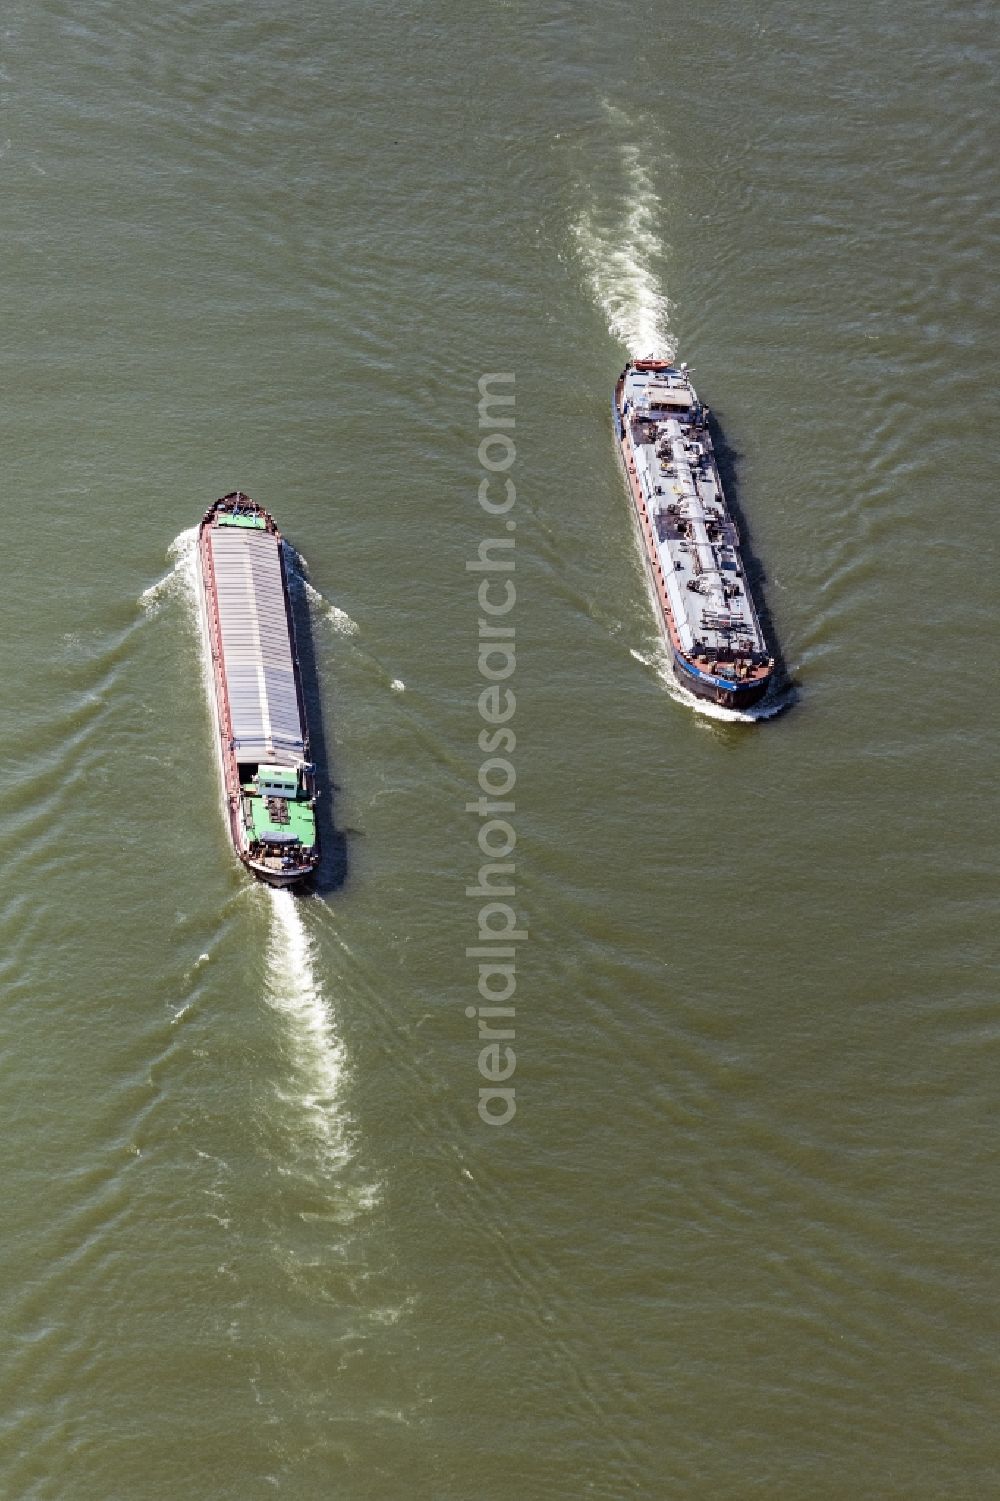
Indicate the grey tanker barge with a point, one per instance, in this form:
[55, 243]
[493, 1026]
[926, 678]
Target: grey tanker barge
[690, 543]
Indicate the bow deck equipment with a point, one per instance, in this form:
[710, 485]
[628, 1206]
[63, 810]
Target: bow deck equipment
[263, 738]
[689, 540]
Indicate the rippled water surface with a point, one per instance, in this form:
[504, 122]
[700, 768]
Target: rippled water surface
[740, 1239]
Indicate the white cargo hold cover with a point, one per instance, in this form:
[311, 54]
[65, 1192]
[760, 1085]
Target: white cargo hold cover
[256, 648]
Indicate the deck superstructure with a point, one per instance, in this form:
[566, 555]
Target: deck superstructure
[268, 778]
[689, 539]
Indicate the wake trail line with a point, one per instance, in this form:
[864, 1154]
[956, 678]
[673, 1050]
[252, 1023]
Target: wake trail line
[619, 251]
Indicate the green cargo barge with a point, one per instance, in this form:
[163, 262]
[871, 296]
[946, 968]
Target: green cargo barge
[268, 777]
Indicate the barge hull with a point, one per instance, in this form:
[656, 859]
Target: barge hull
[268, 781]
[687, 537]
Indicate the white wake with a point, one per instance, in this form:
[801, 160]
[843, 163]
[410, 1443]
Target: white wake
[620, 251]
[182, 575]
[340, 620]
[337, 617]
[294, 989]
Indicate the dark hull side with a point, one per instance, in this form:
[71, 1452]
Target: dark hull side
[734, 698]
